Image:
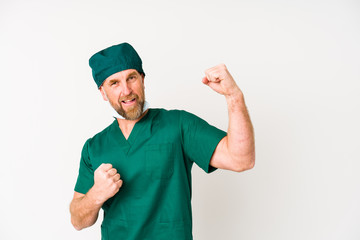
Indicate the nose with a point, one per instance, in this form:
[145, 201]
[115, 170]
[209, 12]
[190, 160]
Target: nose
[126, 89]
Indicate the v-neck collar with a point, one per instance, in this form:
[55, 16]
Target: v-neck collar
[143, 126]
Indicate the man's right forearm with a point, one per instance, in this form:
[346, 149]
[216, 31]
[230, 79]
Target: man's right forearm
[84, 210]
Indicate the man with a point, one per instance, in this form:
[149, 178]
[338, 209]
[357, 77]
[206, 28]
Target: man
[138, 169]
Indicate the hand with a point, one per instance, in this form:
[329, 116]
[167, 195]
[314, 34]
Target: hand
[107, 183]
[219, 79]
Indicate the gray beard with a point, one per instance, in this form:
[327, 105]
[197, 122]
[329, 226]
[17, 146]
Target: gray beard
[132, 114]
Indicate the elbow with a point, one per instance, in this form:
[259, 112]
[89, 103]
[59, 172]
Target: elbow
[251, 164]
[76, 225]
[77, 228]
[73, 220]
[244, 167]
[244, 164]
[81, 223]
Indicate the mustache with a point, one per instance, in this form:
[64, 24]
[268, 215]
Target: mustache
[129, 97]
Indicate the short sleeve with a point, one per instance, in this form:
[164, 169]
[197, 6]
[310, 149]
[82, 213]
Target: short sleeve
[199, 140]
[85, 178]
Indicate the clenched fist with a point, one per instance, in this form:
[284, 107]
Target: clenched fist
[107, 182]
[220, 80]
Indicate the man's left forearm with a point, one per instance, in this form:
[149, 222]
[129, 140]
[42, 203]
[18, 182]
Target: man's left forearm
[240, 134]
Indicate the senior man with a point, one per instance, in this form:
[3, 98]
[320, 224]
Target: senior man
[138, 169]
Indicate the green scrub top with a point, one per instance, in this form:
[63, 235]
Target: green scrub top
[154, 202]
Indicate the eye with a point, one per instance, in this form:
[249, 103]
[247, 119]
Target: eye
[131, 78]
[113, 83]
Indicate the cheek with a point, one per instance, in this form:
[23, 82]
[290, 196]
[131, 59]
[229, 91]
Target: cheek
[113, 95]
[141, 89]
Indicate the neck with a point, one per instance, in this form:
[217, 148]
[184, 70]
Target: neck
[126, 126]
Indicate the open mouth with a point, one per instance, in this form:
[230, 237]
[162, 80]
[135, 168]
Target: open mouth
[129, 101]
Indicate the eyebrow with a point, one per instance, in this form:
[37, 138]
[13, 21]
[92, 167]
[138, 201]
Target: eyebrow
[112, 81]
[131, 74]
[116, 80]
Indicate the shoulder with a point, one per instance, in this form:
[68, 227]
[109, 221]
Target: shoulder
[173, 113]
[102, 135]
[179, 119]
[175, 117]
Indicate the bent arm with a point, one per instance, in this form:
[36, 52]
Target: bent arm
[236, 151]
[84, 208]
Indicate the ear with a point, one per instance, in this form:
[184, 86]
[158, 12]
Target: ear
[143, 78]
[103, 93]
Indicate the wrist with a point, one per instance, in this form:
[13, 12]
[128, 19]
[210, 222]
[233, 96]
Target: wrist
[235, 101]
[235, 96]
[93, 197]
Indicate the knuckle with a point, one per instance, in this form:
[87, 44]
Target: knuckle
[106, 165]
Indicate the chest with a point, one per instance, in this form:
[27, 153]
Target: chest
[146, 156]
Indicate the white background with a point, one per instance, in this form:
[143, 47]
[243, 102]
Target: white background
[297, 62]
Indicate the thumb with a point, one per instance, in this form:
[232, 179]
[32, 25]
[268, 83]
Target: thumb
[205, 80]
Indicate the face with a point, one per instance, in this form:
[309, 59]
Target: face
[125, 92]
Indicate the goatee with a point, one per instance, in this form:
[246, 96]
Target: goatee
[132, 113]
